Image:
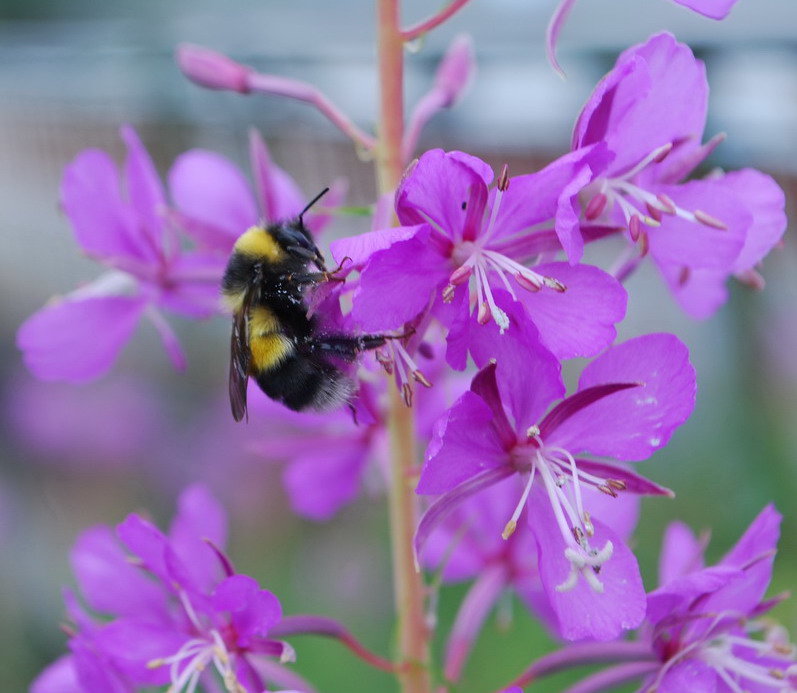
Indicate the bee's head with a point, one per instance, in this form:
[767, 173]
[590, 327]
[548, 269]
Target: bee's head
[295, 239]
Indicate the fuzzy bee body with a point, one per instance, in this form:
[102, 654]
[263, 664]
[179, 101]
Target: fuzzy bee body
[273, 338]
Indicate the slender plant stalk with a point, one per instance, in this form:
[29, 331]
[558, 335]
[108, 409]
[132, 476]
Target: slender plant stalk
[413, 632]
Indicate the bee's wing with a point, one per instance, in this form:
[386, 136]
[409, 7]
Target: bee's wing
[240, 356]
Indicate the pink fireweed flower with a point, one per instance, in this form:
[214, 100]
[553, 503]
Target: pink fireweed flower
[706, 625]
[462, 243]
[120, 222]
[179, 612]
[629, 402]
[215, 204]
[715, 9]
[468, 544]
[650, 111]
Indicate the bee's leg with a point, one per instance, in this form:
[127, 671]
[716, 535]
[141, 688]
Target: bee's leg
[345, 348]
[308, 278]
[317, 277]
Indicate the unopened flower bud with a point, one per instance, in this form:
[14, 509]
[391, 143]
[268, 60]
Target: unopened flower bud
[211, 69]
[455, 70]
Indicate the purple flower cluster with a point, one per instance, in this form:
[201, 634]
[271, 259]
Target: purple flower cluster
[179, 613]
[525, 487]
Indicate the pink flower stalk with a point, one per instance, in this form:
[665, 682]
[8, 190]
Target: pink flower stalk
[463, 244]
[629, 402]
[215, 204]
[650, 111]
[715, 9]
[122, 223]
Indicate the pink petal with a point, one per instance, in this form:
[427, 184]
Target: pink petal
[437, 185]
[193, 284]
[132, 644]
[200, 518]
[168, 338]
[680, 594]
[147, 542]
[279, 196]
[144, 189]
[361, 247]
[207, 187]
[253, 610]
[527, 397]
[656, 94]
[104, 224]
[78, 340]
[632, 424]
[110, 583]
[681, 553]
[690, 675]
[754, 554]
[443, 506]
[58, 677]
[464, 443]
[397, 283]
[551, 193]
[715, 9]
[700, 293]
[765, 200]
[322, 482]
[555, 25]
[683, 243]
[579, 321]
[473, 612]
[582, 612]
[95, 672]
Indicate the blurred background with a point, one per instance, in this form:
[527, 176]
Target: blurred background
[71, 457]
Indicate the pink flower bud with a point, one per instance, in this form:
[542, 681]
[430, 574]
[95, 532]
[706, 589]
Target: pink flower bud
[455, 70]
[211, 69]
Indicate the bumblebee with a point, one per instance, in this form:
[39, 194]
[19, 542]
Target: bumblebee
[273, 338]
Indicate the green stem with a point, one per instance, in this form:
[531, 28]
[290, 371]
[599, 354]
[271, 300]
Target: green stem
[413, 633]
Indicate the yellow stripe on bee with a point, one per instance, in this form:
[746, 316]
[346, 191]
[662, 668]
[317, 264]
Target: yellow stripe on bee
[268, 345]
[259, 243]
[269, 350]
[262, 321]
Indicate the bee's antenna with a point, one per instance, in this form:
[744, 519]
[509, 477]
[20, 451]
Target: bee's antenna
[312, 202]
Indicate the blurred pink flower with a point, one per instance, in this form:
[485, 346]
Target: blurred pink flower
[215, 204]
[113, 423]
[121, 222]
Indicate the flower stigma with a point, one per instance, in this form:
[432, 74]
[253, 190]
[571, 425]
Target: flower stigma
[473, 259]
[562, 480]
[729, 648]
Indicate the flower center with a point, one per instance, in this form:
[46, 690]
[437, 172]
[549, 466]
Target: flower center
[639, 206]
[740, 659]
[562, 481]
[190, 661]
